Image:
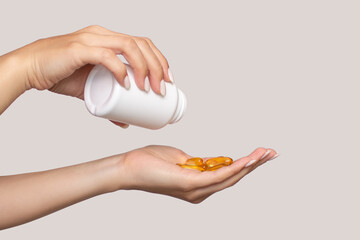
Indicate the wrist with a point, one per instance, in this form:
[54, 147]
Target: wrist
[112, 174]
[14, 69]
[12, 79]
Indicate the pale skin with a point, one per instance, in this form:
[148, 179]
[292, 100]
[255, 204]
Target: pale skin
[61, 64]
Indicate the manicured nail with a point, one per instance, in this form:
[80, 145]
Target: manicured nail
[250, 163]
[266, 153]
[127, 83]
[171, 75]
[147, 85]
[162, 88]
[125, 126]
[274, 157]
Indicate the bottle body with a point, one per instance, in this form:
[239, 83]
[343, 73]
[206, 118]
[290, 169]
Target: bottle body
[105, 97]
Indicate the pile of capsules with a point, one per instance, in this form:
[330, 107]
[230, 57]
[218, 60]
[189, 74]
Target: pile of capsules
[211, 164]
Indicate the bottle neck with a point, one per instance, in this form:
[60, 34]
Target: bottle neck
[181, 107]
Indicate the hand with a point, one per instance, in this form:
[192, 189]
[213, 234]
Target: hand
[62, 63]
[151, 169]
[154, 169]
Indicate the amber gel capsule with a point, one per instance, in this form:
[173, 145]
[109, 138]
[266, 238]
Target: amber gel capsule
[211, 164]
[219, 160]
[192, 167]
[194, 163]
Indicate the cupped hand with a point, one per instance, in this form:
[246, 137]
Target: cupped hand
[154, 169]
[62, 63]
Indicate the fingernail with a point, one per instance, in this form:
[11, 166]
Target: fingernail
[274, 157]
[171, 75]
[250, 163]
[162, 88]
[125, 126]
[127, 83]
[266, 153]
[147, 85]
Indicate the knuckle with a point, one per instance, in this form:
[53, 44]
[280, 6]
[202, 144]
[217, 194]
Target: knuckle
[130, 44]
[74, 50]
[83, 37]
[148, 40]
[106, 54]
[141, 41]
[94, 28]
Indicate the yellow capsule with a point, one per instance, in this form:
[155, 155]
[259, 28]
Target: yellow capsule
[195, 161]
[211, 164]
[216, 167]
[226, 161]
[194, 167]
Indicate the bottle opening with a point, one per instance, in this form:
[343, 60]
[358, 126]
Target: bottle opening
[181, 107]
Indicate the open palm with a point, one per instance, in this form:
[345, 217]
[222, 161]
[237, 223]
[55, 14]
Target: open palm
[153, 169]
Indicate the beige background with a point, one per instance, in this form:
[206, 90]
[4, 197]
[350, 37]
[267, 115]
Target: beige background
[280, 74]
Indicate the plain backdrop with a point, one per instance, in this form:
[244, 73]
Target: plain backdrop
[279, 74]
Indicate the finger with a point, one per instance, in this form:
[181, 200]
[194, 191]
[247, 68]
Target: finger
[124, 45]
[184, 182]
[167, 74]
[258, 157]
[98, 30]
[96, 55]
[156, 72]
[123, 125]
[226, 172]
[163, 61]
[198, 190]
[207, 191]
[208, 178]
[270, 154]
[202, 184]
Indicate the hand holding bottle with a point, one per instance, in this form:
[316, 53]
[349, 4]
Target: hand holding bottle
[62, 63]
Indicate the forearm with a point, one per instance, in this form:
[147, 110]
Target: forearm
[26, 197]
[12, 79]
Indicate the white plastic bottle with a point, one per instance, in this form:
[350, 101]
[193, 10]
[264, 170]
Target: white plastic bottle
[105, 97]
